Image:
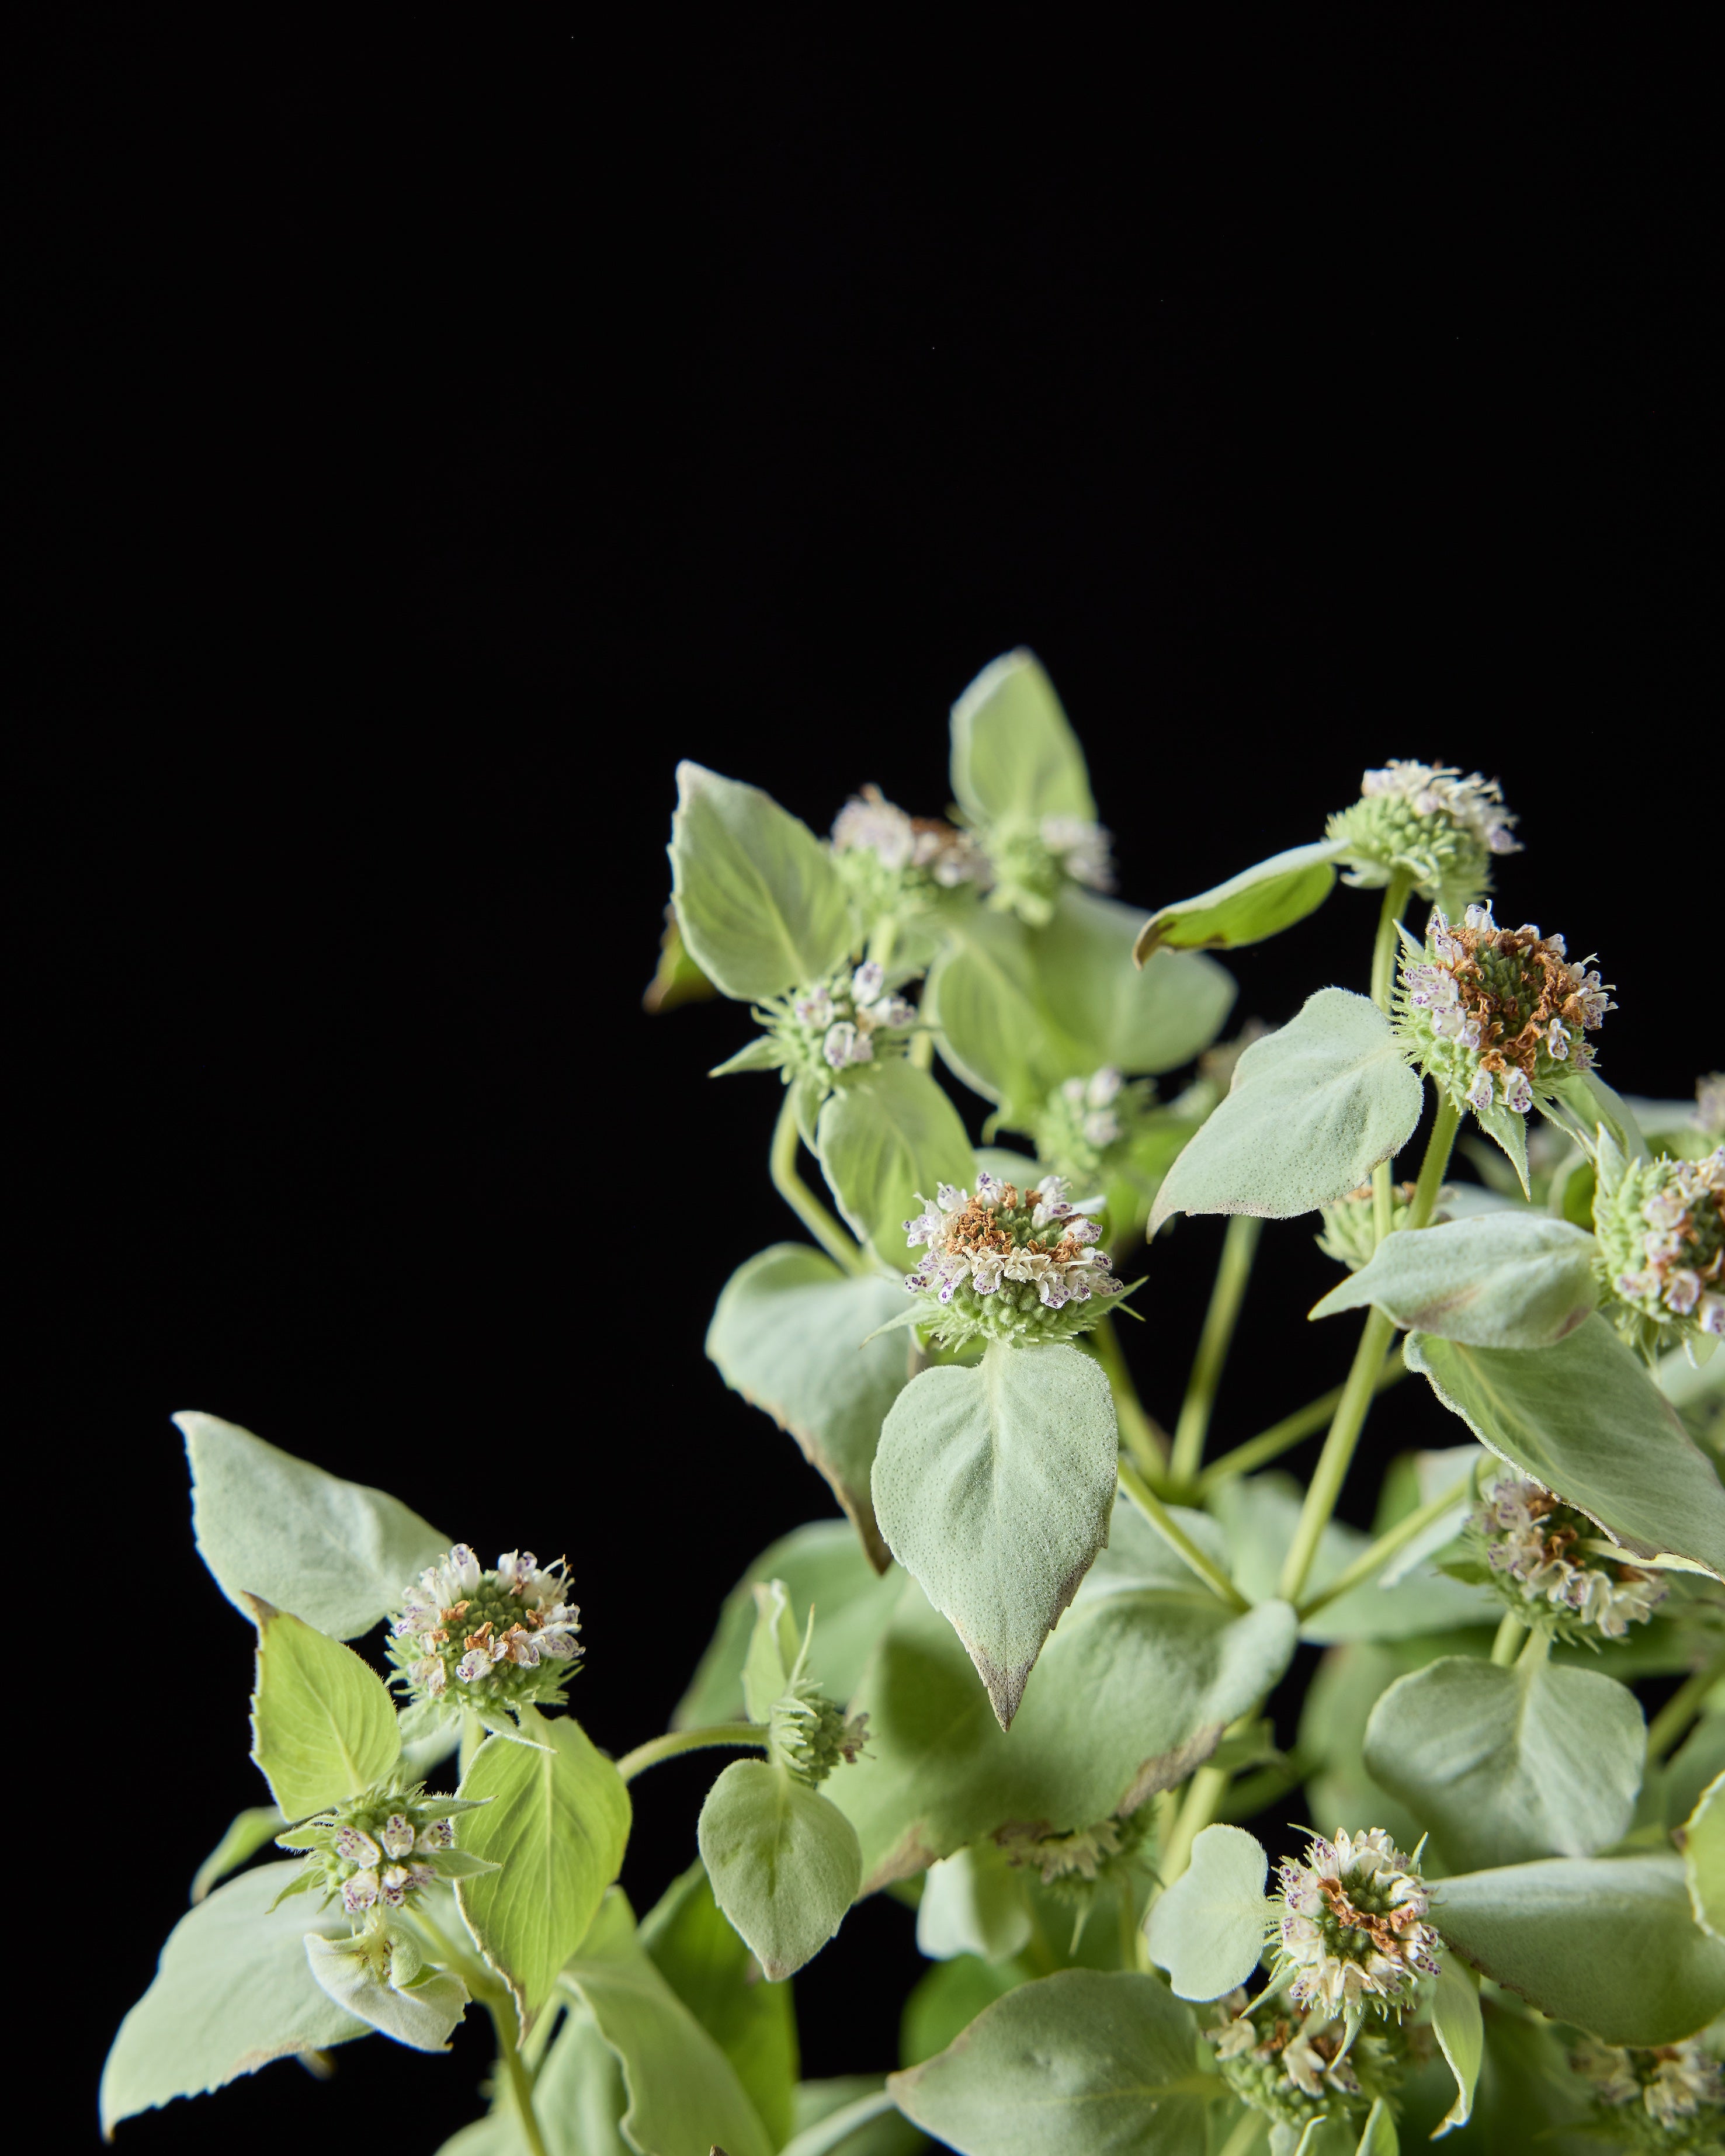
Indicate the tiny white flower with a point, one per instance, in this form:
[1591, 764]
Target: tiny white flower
[1683, 1290]
[949, 1197]
[844, 1045]
[359, 1892]
[867, 982]
[1103, 1088]
[440, 1834]
[476, 1663]
[357, 1848]
[1479, 1094]
[1517, 1093]
[1710, 1313]
[397, 1836]
[815, 1008]
[1479, 916]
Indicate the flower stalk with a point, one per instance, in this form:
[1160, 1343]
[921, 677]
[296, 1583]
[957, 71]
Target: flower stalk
[1239, 1247]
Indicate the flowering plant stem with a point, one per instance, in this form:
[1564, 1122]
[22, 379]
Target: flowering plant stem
[750, 1735]
[1139, 1432]
[1508, 1644]
[499, 2003]
[1680, 1709]
[1282, 1436]
[1239, 1247]
[842, 1248]
[1371, 1561]
[1175, 1536]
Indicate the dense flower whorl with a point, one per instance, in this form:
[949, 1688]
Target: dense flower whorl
[1668, 2098]
[1350, 1232]
[1031, 860]
[896, 863]
[1496, 1015]
[809, 1735]
[1661, 1235]
[375, 1851]
[1010, 1264]
[1298, 2068]
[502, 1638]
[1428, 821]
[1353, 1925]
[848, 1020]
[1084, 1119]
[1533, 1545]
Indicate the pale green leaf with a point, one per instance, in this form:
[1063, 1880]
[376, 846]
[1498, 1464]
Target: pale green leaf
[1460, 2032]
[1704, 1859]
[1509, 1130]
[1584, 1418]
[761, 905]
[1313, 1109]
[852, 2112]
[764, 1053]
[578, 2099]
[789, 1334]
[707, 1965]
[982, 994]
[773, 1648]
[556, 1823]
[1079, 2064]
[1015, 757]
[1699, 1761]
[973, 1902]
[992, 1487]
[1506, 1764]
[1378, 2136]
[1501, 1279]
[233, 1992]
[882, 1139]
[1260, 901]
[323, 1724]
[822, 1564]
[247, 1833]
[784, 1862]
[419, 2013]
[947, 1999]
[1140, 1022]
[1608, 1944]
[1133, 1690]
[335, 1553]
[1207, 1929]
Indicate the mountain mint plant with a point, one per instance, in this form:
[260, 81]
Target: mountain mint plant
[1032, 1669]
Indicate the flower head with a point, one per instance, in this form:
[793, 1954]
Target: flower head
[1495, 1015]
[1352, 1926]
[374, 1852]
[1009, 1264]
[1535, 1552]
[1083, 1120]
[810, 1735]
[1297, 2068]
[895, 864]
[1661, 1225]
[1031, 862]
[835, 1025]
[1668, 2097]
[1427, 820]
[487, 1640]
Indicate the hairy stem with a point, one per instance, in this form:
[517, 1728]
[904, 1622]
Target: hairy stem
[1237, 1248]
[521, 2081]
[1383, 950]
[1203, 1793]
[1371, 1561]
[1680, 1709]
[833, 1240]
[1282, 1436]
[1537, 1649]
[1139, 1432]
[1175, 1536]
[1508, 1644]
[750, 1735]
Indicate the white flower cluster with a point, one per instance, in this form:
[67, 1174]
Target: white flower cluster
[1666, 1221]
[1474, 803]
[1092, 1100]
[1529, 1538]
[869, 822]
[1672, 2084]
[1084, 850]
[372, 1881]
[847, 1015]
[969, 1242]
[461, 1624]
[1352, 1925]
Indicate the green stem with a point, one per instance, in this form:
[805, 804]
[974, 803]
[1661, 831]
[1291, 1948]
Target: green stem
[782, 1162]
[1254, 1792]
[837, 2127]
[1203, 1793]
[1128, 1924]
[1139, 1432]
[1372, 1560]
[750, 1734]
[1433, 1168]
[1175, 1536]
[1395, 897]
[1679, 1711]
[1282, 1436]
[1508, 1643]
[1537, 1649]
[520, 2082]
[1232, 1273]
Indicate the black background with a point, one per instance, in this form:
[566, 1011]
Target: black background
[426, 446]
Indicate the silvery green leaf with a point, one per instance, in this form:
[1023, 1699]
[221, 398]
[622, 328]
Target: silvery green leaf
[1207, 1929]
[882, 1139]
[1132, 1692]
[973, 1902]
[1700, 1760]
[1584, 1418]
[1461, 2031]
[1141, 1022]
[760, 904]
[784, 1863]
[337, 1554]
[1436, 1472]
[772, 1650]
[247, 1833]
[1704, 1859]
[1605, 1943]
[323, 1724]
[1014, 754]
[763, 1052]
[1260, 901]
[982, 995]
[993, 1487]
[1313, 1108]
[1595, 1107]
[821, 1563]
[946, 1999]
[557, 1824]
[1504, 1279]
[1507, 1764]
[1075, 2065]
[1509, 1131]
[233, 1992]
[420, 2015]
[852, 2111]
[791, 1334]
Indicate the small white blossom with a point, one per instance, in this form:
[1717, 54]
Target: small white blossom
[867, 982]
[360, 1892]
[1083, 850]
[1352, 1925]
[1530, 1546]
[1438, 789]
[815, 1008]
[845, 1044]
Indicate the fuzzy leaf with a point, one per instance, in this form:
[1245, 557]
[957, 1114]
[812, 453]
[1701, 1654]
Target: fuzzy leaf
[233, 1992]
[1260, 901]
[761, 906]
[1015, 757]
[1313, 1109]
[1605, 1943]
[1141, 1022]
[419, 2014]
[247, 1833]
[784, 1862]
[337, 1554]
[947, 1999]
[1507, 1764]
[1584, 1418]
[973, 1902]
[1207, 1929]
[773, 1648]
[1704, 1859]
[882, 1139]
[1460, 2029]
[1078, 2064]
[323, 1724]
[557, 1825]
[982, 994]
[1501, 1279]
[789, 1334]
[763, 1052]
[992, 1487]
